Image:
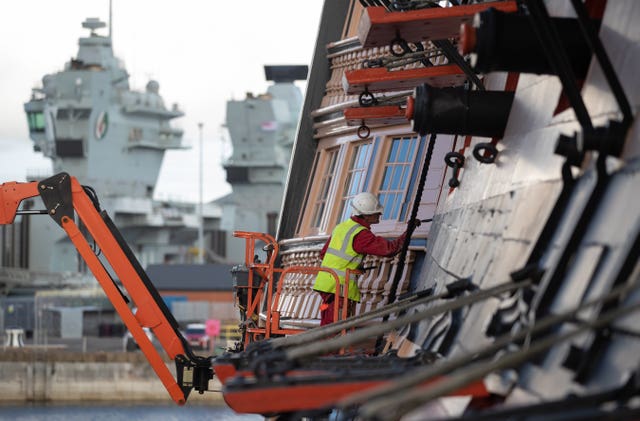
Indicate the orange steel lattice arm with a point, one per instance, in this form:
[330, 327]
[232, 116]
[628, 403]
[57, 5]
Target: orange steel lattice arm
[64, 197]
[266, 272]
[263, 271]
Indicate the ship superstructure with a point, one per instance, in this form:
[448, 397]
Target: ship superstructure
[262, 129]
[88, 120]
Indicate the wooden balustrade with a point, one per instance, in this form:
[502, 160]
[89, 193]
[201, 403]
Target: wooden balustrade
[299, 301]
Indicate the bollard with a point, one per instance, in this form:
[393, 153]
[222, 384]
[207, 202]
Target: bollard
[15, 338]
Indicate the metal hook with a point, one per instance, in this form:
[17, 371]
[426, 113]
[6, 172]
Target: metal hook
[366, 99]
[399, 43]
[363, 131]
[454, 160]
[486, 153]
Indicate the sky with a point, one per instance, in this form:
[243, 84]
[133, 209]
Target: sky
[202, 53]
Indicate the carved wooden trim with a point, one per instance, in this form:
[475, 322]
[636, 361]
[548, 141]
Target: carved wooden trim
[298, 300]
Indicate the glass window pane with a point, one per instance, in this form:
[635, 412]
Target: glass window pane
[404, 147]
[394, 150]
[396, 203]
[386, 179]
[346, 211]
[382, 198]
[396, 175]
[362, 155]
[355, 176]
[412, 149]
[397, 178]
[40, 121]
[327, 177]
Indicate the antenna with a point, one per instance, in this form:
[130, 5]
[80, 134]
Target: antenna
[110, 20]
[92, 24]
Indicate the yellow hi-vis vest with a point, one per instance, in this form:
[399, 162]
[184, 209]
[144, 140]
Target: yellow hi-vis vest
[341, 256]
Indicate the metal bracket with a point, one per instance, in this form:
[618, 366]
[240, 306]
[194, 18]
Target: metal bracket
[55, 192]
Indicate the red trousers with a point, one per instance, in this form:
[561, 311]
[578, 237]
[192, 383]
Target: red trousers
[328, 307]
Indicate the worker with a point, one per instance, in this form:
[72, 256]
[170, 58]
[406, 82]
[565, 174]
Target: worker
[347, 247]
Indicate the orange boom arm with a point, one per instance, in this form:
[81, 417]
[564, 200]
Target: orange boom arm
[64, 199]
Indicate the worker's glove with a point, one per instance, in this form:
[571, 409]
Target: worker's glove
[415, 223]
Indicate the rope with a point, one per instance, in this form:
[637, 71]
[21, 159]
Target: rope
[414, 214]
[410, 229]
[391, 62]
[394, 407]
[334, 344]
[333, 328]
[443, 367]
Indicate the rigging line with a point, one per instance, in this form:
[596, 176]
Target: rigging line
[399, 98]
[626, 272]
[548, 38]
[318, 348]
[455, 363]
[410, 228]
[452, 54]
[595, 43]
[333, 328]
[392, 62]
[414, 214]
[385, 410]
[567, 408]
[551, 280]
[407, 5]
[419, 298]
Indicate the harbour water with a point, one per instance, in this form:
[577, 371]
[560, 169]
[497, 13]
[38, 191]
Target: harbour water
[112, 411]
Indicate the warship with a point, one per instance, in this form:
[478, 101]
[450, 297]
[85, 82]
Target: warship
[89, 121]
[508, 127]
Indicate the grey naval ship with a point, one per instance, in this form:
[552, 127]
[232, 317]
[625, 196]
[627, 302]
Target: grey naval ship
[89, 121]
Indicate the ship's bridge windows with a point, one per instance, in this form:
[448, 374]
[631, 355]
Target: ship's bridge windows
[135, 134]
[73, 114]
[69, 148]
[35, 120]
[237, 174]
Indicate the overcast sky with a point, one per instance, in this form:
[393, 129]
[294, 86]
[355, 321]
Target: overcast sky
[202, 53]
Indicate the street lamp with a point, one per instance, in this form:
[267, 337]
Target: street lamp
[200, 215]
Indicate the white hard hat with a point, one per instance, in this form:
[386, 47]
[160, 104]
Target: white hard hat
[366, 204]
